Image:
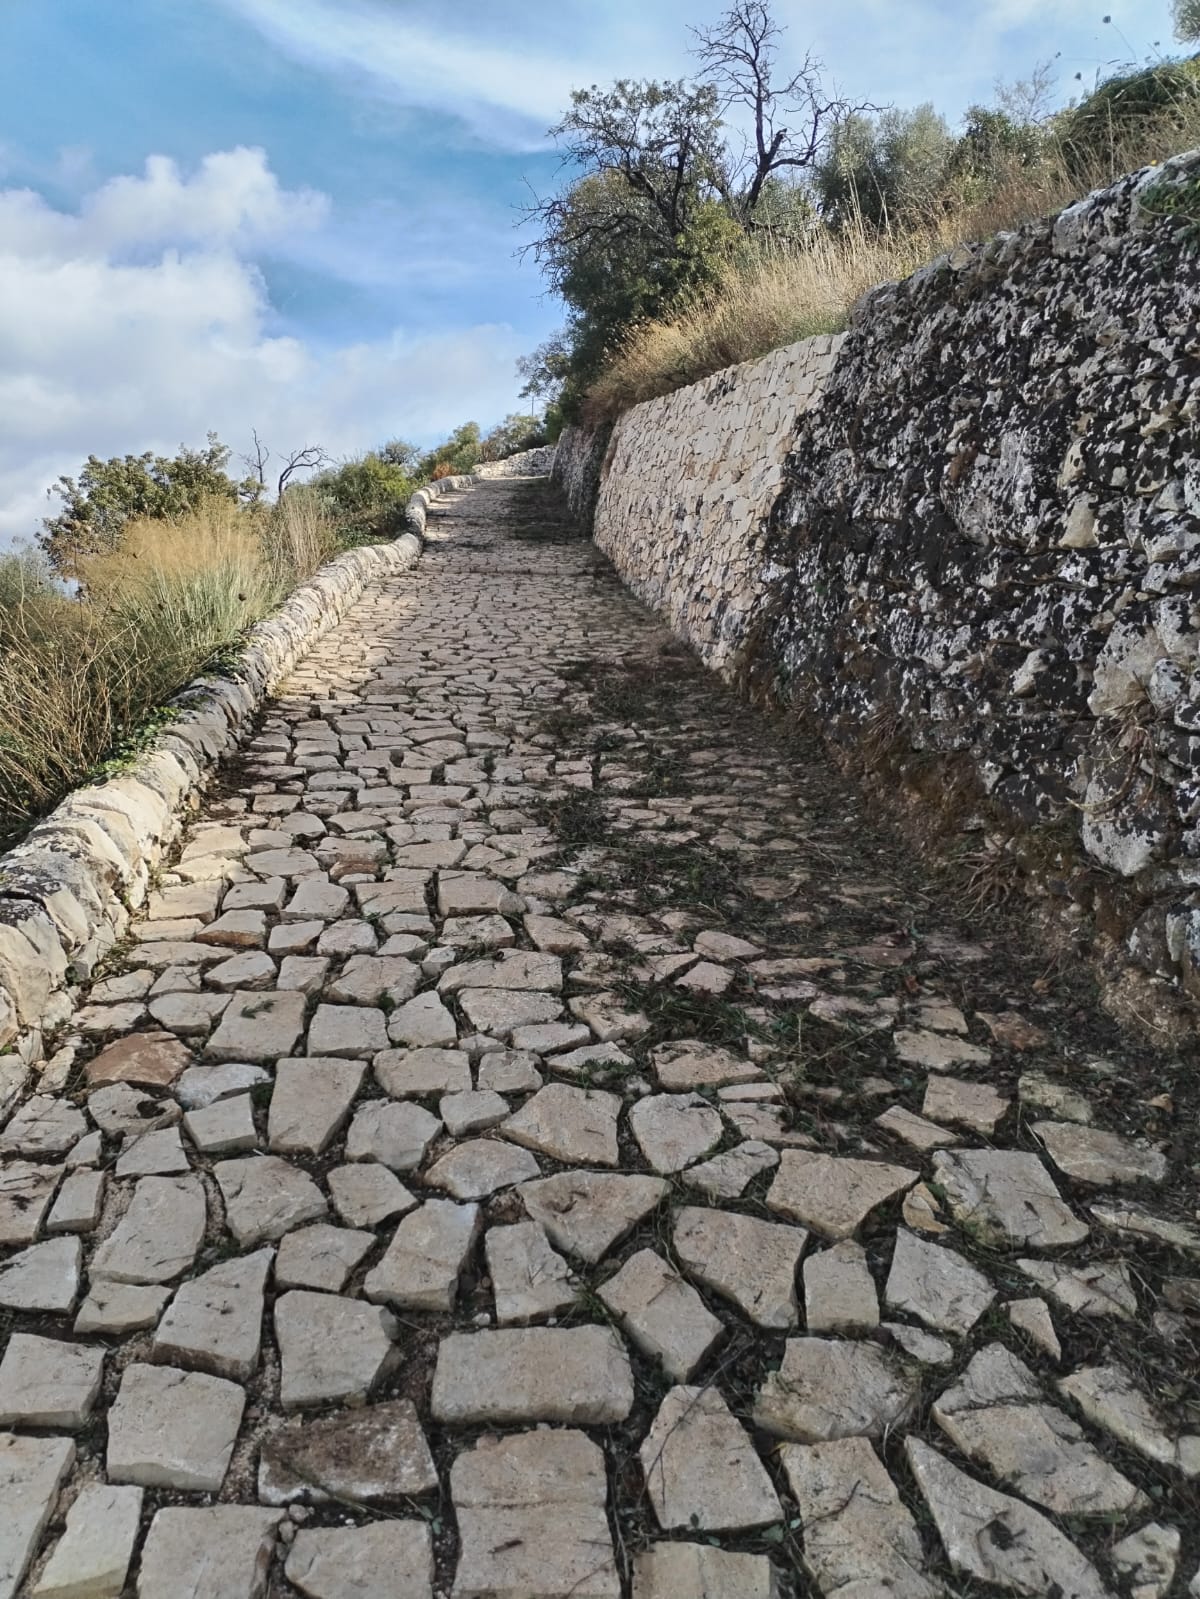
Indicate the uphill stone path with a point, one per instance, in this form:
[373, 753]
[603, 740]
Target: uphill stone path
[541, 1141]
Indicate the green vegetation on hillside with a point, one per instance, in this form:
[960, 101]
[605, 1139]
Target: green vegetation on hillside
[707, 221]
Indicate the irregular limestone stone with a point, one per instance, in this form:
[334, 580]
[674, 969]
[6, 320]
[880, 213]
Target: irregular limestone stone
[120, 1110]
[43, 1277]
[530, 1280]
[370, 979]
[995, 1414]
[696, 1571]
[331, 1350]
[473, 894]
[974, 1105]
[531, 1518]
[858, 1536]
[1006, 1197]
[662, 1314]
[91, 1559]
[919, 1047]
[688, 1063]
[1036, 1088]
[417, 1073]
[266, 1197]
[366, 1454]
[833, 1195]
[78, 1205]
[425, 1258]
[220, 1552]
[922, 1346]
[173, 1429]
[914, 1130]
[1109, 1398]
[43, 1125]
[156, 1154]
[188, 1014]
[749, 1261]
[577, 1126]
[471, 1112]
[586, 1213]
[1092, 1156]
[26, 1190]
[225, 1128]
[1148, 1559]
[45, 1382]
[205, 1085]
[510, 1071]
[1100, 1290]
[1032, 1317]
[365, 1194]
[215, 1320]
[480, 1167]
[31, 1472]
[258, 1026]
[148, 1060]
[936, 1285]
[120, 1308]
[839, 1291]
[320, 1257]
[998, 1539]
[578, 1375]
[423, 1022]
[513, 969]
[1132, 1219]
[673, 1130]
[310, 1102]
[500, 1012]
[398, 1136]
[346, 1562]
[608, 1017]
[826, 1388]
[727, 1176]
[357, 1031]
[701, 1469]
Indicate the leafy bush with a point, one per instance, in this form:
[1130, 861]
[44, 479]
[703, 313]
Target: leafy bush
[461, 452]
[110, 494]
[366, 496]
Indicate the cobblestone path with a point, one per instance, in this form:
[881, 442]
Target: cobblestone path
[542, 1141]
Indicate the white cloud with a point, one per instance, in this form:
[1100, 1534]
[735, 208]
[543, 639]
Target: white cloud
[509, 91]
[138, 323]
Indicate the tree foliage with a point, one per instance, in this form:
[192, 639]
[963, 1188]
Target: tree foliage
[1187, 19]
[108, 494]
[891, 168]
[663, 188]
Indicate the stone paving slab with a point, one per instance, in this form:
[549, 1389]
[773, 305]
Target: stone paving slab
[540, 1139]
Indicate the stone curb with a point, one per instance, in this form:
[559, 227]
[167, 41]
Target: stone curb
[66, 890]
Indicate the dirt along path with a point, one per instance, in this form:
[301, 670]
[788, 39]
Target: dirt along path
[542, 1140]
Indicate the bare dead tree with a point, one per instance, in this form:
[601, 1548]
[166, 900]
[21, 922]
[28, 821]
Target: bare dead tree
[791, 120]
[256, 466]
[305, 460]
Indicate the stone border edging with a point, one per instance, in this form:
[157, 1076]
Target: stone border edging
[67, 889]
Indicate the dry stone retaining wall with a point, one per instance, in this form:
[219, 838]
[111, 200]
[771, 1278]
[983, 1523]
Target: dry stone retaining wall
[980, 571]
[67, 889]
[691, 478]
[527, 463]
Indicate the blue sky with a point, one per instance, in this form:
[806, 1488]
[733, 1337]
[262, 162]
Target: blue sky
[299, 215]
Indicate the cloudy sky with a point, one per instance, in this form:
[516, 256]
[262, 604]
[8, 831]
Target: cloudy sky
[299, 215]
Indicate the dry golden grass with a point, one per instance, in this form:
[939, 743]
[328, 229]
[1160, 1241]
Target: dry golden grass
[772, 296]
[83, 679]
